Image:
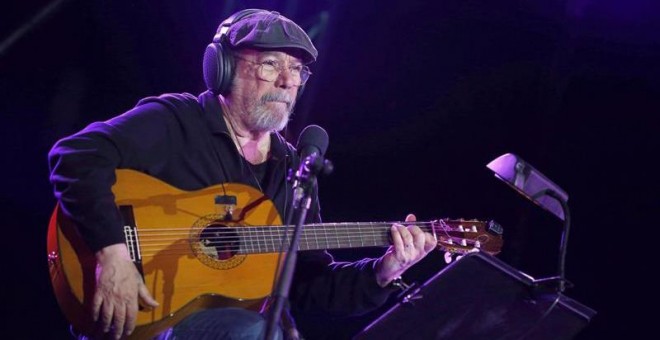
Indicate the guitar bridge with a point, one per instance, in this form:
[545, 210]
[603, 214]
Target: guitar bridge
[131, 236]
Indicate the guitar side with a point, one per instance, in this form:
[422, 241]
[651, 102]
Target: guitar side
[177, 271]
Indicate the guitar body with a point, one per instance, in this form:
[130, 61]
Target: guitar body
[180, 270]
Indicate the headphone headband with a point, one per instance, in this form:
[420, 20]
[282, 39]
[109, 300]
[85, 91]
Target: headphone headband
[226, 24]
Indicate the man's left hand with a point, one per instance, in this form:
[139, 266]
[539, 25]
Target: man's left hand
[409, 245]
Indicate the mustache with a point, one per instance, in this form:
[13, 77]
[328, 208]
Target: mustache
[277, 97]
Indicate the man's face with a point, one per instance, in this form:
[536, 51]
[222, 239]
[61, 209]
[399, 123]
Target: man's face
[264, 103]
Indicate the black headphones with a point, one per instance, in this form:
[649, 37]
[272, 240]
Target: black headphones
[219, 63]
[218, 60]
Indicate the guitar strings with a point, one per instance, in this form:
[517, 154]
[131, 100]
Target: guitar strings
[348, 225]
[252, 240]
[185, 249]
[350, 229]
[261, 232]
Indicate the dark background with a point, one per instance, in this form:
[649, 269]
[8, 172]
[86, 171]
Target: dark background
[417, 97]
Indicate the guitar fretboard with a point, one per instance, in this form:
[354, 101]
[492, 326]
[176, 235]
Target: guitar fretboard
[314, 236]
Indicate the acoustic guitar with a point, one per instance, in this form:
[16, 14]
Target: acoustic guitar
[215, 247]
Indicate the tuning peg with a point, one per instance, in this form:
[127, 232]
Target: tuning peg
[459, 257]
[448, 257]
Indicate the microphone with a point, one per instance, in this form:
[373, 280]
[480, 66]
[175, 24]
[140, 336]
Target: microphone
[313, 140]
[312, 145]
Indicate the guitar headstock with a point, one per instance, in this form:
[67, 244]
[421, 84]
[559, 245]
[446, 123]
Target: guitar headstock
[464, 236]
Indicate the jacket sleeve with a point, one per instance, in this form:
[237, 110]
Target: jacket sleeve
[322, 286]
[336, 288]
[82, 166]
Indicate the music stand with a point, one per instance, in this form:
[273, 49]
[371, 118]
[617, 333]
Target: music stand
[481, 297]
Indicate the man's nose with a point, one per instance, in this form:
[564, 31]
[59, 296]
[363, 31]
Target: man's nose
[286, 79]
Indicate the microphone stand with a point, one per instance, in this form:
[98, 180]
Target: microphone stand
[303, 187]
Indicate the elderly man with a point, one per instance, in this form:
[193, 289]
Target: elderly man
[255, 70]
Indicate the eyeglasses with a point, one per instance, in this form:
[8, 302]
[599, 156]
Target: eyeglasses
[269, 70]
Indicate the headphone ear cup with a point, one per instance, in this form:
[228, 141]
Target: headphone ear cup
[211, 68]
[218, 68]
[218, 64]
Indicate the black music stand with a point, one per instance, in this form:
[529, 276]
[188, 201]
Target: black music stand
[481, 297]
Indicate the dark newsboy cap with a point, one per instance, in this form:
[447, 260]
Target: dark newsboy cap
[270, 30]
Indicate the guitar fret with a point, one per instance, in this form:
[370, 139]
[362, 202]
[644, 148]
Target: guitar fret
[248, 240]
[274, 237]
[375, 234]
[349, 229]
[270, 237]
[359, 226]
[301, 240]
[345, 237]
[332, 242]
[259, 234]
[252, 242]
[257, 231]
[328, 235]
[316, 238]
[263, 239]
[307, 238]
[369, 234]
[331, 229]
[247, 243]
[350, 244]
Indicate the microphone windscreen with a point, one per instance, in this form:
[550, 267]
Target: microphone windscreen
[312, 139]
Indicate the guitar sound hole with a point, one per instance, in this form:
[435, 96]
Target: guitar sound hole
[219, 241]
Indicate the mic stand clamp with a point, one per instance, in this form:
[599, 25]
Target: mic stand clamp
[304, 182]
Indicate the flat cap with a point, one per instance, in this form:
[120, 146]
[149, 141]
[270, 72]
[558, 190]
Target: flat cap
[270, 30]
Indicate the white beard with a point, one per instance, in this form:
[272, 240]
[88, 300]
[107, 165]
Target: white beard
[260, 117]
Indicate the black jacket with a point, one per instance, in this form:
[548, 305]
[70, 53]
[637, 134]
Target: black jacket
[183, 140]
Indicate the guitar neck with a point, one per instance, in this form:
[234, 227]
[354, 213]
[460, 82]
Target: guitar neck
[315, 236]
[456, 236]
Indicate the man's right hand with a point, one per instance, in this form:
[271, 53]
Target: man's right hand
[118, 288]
